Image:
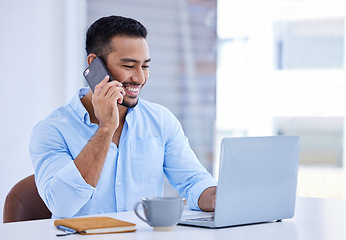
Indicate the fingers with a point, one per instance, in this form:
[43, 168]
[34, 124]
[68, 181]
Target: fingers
[105, 88]
[99, 87]
[116, 94]
[110, 89]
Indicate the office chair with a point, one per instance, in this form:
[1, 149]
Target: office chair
[23, 203]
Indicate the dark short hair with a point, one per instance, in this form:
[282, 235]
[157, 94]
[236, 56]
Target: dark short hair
[101, 32]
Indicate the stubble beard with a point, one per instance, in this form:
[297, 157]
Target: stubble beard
[129, 104]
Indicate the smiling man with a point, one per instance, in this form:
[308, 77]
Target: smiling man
[106, 149]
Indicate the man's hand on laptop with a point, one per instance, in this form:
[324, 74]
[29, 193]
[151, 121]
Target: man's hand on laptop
[206, 201]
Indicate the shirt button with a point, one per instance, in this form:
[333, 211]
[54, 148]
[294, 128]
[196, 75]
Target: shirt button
[118, 183]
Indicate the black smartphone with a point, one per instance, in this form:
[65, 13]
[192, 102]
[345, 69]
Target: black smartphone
[96, 72]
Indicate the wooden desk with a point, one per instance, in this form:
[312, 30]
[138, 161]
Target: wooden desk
[315, 219]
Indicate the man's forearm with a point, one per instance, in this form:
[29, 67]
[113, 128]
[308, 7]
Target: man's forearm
[206, 201]
[91, 159]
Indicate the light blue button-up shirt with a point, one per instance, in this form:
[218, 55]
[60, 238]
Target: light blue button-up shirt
[152, 142]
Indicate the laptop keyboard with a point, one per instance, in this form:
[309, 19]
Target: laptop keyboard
[202, 219]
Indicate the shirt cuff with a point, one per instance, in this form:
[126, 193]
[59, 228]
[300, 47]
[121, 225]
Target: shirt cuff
[196, 191]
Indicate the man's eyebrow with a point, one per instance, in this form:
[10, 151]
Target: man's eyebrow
[133, 60]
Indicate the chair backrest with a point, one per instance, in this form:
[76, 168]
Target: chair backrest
[23, 203]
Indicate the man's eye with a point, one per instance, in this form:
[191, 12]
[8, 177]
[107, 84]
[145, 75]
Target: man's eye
[127, 66]
[146, 66]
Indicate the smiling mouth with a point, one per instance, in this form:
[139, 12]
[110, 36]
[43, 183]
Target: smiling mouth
[132, 89]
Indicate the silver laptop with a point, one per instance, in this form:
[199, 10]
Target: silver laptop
[257, 182]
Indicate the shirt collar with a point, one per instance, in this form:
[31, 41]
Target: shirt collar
[78, 107]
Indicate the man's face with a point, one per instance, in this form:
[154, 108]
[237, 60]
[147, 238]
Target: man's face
[128, 63]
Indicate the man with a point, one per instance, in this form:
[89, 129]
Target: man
[105, 150]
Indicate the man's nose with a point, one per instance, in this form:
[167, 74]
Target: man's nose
[139, 76]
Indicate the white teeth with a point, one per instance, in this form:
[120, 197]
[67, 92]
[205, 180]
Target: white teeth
[132, 89]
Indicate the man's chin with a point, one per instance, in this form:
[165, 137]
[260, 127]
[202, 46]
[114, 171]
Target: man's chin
[130, 104]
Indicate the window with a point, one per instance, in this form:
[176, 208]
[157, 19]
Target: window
[281, 70]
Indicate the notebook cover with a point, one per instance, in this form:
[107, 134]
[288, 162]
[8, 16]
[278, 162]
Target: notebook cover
[82, 225]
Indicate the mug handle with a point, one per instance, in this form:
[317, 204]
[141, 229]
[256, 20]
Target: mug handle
[138, 215]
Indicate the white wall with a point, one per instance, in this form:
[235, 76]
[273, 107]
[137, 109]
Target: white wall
[42, 49]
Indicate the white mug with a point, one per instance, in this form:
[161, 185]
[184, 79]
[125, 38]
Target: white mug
[162, 213]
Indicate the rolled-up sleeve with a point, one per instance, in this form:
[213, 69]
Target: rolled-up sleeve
[59, 182]
[181, 166]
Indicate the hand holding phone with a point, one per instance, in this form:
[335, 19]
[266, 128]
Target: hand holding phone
[106, 95]
[105, 101]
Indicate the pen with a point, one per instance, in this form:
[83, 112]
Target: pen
[67, 230]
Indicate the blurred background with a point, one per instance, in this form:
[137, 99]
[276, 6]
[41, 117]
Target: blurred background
[223, 67]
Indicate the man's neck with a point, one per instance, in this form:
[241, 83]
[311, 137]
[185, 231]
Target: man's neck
[87, 103]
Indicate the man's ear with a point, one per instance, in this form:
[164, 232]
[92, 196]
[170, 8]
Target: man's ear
[91, 57]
